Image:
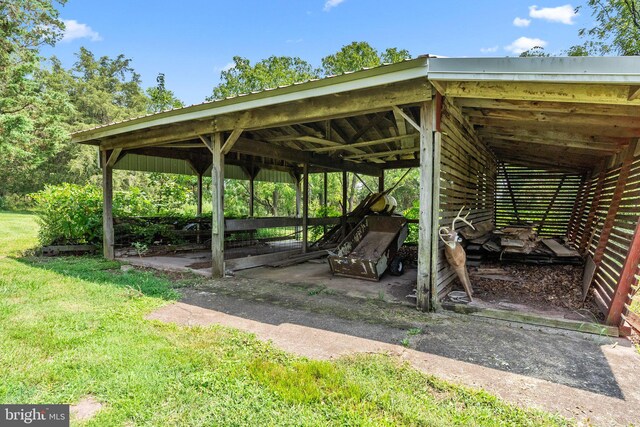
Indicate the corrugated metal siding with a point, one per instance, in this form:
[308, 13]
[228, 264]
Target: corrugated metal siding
[137, 162]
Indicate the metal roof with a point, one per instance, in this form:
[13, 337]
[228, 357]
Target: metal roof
[362, 79]
[575, 69]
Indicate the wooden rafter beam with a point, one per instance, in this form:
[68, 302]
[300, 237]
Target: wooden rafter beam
[544, 135]
[384, 153]
[516, 142]
[553, 92]
[545, 106]
[595, 131]
[207, 141]
[266, 150]
[634, 93]
[364, 143]
[576, 118]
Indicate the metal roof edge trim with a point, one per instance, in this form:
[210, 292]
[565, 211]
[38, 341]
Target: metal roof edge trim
[379, 76]
[594, 70]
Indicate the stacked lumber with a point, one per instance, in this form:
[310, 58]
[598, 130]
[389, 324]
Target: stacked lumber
[517, 243]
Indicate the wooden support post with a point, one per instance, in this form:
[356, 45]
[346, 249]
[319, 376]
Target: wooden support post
[344, 204]
[627, 278]
[217, 207]
[108, 238]
[199, 196]
[381, 182]
[425, 239]
[435, 211]
[590, 223]
[615, 204]
[305, 208]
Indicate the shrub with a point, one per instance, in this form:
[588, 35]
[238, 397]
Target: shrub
[413, 213]
[72, 214]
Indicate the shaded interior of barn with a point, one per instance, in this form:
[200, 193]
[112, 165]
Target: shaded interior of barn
[556, 158]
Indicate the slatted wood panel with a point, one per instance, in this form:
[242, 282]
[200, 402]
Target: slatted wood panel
[617, 246]
[546, 198]
[467, 178]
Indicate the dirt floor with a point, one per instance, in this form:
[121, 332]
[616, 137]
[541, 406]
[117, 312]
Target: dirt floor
[591, 378]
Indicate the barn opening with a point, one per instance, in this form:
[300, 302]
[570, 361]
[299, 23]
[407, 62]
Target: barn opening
[546, 146]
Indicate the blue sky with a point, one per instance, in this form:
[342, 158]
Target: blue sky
[191, 41]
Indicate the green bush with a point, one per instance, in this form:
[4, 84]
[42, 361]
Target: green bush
[72, 214]
[413, 213]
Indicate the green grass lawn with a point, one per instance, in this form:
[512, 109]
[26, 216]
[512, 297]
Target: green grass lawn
[74, 327]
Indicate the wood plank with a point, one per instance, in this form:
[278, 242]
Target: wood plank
[560, 250]
[546, 106]
[258, 260]
[547, 92]
[533, 319]
[626, 280]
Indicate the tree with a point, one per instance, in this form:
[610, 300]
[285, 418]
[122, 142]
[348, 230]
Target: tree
[267, 74]
[536, 51]
[31, 111]
[358, 55]
[161, 99]
[617, 29]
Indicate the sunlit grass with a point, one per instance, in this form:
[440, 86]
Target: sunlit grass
[72, 327]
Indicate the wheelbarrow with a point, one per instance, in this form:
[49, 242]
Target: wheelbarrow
[371, 248]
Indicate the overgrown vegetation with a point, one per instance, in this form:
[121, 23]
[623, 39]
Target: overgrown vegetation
[75, 327]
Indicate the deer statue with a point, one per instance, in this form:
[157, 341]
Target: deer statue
[455, 253]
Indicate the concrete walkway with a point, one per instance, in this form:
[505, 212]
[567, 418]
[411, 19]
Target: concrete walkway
[593, 379]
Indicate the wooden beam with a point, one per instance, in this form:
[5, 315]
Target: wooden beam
[217, 207]
[621, 183]
[113, 158]
[626, 280]
[521, 134]
[435, 207]
[593, 130]
[108, 238]
[228, 144]
[544, 106]
[577, 118]
[381, 182]
[634, 93]
[365, 143]
[262, 149]
[344, 204]
[425, 239]
[579, 206]
[404, 115]
[548, 92]
[517, 142]
[331, 106]
[383, 153]
[208, 143]
[158, 136]
[591, 217]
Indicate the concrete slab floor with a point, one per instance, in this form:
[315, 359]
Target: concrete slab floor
[590, 378]
[390, 288]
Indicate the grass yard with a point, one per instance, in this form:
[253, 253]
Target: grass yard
[74, 327]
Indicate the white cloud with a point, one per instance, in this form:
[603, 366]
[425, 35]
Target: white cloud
[521, 22]
[330, 4]
[489, 49]
[525, 43]
[563, 14]
[75, 30]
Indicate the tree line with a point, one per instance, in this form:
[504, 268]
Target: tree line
[42, 102]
